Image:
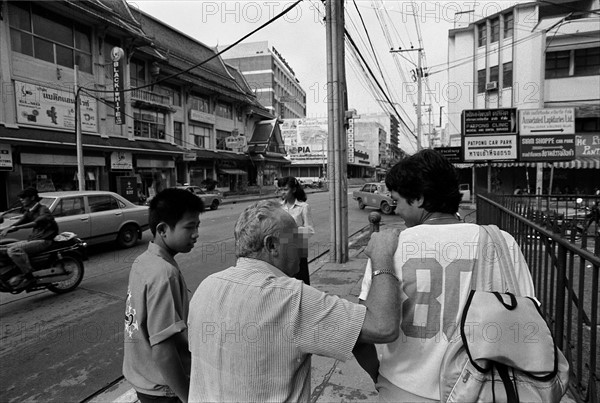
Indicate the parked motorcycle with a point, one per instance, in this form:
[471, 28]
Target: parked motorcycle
[58, 269]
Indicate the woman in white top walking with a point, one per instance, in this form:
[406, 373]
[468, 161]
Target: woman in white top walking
[294, 202]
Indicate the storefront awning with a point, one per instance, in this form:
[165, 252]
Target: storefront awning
[233, 172]
[580, 163]
[583, 162]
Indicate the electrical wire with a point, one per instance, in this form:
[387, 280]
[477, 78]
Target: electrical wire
[216, 55]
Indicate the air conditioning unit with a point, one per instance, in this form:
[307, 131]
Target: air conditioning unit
[492, 85]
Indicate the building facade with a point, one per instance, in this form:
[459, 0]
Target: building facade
[170, 128]
[271, 78]
[531, 56]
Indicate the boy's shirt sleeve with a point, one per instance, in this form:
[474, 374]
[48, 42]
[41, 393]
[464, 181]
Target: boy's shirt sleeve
[163, 304]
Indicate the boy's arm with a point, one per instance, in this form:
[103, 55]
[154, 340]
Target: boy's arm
[366, 356]
[166, 357]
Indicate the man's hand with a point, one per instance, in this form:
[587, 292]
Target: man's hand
[5, 231]
[382, 247]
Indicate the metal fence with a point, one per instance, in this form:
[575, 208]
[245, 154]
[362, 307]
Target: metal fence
[565, 273]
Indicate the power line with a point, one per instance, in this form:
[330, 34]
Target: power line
[217, 54]
[376, 81]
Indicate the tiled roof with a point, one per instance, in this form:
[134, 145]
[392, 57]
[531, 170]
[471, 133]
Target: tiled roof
[182, 52]
[116, 12]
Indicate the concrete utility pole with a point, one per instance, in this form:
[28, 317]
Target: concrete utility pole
[78, 140]
[419, 76]
[337, 145]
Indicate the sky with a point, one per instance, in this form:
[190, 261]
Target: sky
[300, 38]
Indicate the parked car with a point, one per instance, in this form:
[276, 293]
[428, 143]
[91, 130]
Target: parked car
[376, 195]
[212, 199]
[95, 216]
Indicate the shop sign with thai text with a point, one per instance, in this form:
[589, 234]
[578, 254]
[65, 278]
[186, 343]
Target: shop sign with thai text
[38, 105]
[490, 148]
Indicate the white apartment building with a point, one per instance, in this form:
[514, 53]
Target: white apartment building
[532, 55]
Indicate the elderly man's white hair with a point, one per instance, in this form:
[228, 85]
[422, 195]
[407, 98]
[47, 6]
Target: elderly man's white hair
[255, 223]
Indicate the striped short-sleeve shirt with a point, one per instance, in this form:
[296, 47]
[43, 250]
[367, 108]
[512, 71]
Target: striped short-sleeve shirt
[253, 329]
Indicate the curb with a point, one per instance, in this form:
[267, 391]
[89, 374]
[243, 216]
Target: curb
[240, 199]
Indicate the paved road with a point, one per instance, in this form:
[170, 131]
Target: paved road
[64, 348]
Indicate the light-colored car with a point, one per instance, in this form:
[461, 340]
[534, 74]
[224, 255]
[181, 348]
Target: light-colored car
[375, 194]
[95, 216]
[211, 198]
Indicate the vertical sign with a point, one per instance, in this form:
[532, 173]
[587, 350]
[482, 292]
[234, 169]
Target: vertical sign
[117, 58]
[350, 132]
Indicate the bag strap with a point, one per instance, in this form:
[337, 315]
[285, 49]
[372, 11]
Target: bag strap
[502, 253]
[481, 277]
[509, 387]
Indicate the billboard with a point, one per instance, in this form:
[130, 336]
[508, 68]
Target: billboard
[38, 105]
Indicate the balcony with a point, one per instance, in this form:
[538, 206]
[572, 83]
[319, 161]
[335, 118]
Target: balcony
[150, 99]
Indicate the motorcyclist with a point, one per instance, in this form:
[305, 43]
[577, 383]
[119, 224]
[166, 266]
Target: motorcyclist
[35, 216]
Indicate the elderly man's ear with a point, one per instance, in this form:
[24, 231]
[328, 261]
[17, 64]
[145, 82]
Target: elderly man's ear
[271, 245]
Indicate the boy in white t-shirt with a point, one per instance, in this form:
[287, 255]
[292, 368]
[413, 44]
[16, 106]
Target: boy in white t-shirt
[434, 262]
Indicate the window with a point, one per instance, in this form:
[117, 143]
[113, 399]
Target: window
[494, 71]
[509, 25]
[178, 133]
[149, 124]
[137, 73]
[221, 135]
[171, 92]
[507, 75]
[587, 61]
[201, 136]
[480, 81]
[224, 110]
[482, 34]
[557, 64]
[495, 29]
[102, 203]
[36, 32]
[200, 103]
[587, 125]
[69, 206]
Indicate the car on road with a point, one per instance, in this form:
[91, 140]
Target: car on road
[95, 216]
[211, 198]
[375, 194]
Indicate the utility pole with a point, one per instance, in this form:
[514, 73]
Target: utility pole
[338, 144]
[429, 137]
[78, 141]
[419, 76]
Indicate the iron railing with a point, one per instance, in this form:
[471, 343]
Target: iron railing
[565, 275]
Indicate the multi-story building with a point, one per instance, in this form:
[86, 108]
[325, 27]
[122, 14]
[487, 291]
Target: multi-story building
[271, 78]
[531, 56]
[172, 127]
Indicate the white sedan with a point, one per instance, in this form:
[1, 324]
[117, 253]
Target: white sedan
[95, 216]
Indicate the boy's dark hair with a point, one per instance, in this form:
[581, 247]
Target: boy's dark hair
[170, 205]
[430, 175]
[299, 193]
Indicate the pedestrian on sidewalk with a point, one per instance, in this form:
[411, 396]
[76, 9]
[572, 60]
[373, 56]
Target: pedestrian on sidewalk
[156, 356]
[434, 262]
[294, 202]
[253, 328]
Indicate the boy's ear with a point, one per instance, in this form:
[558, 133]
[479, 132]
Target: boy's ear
[271, 245]
[161, 228]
